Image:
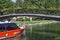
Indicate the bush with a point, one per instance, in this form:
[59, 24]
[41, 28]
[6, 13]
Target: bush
[9, 19]
[21, 19]
[36, 19]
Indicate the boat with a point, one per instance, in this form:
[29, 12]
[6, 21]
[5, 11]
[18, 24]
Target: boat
[10, 29]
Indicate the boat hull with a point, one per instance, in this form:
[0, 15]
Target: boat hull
[10, 33]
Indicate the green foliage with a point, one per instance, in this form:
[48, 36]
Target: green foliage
[9, 19]
[51, 6]
[36, 19]
[21, 19]
[41, 4]
[6, 6]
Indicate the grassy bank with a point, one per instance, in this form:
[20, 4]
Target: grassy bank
[33, 22]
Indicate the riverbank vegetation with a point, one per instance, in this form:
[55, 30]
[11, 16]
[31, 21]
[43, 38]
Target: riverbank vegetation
[33, 22]
[30, 6]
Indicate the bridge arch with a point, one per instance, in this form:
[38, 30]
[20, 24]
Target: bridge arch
[49, 17]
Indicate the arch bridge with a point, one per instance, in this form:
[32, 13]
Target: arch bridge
[48, 17]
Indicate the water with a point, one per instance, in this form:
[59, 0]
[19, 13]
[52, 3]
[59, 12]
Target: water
[45, 32]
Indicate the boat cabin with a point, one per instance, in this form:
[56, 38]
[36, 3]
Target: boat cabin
[8, 26]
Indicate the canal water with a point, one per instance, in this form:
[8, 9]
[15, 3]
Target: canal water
[44, 32]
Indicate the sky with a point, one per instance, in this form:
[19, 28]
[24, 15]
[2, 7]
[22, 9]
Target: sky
[14, 0]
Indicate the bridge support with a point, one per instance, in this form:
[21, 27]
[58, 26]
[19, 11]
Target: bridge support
[24, 17]
[13, 19]
[30, 18]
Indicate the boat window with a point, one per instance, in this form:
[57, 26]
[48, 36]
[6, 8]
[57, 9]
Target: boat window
[8, 26]
[12, 26]
[2, 27]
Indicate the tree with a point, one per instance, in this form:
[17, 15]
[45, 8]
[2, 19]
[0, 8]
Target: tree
[6, 6]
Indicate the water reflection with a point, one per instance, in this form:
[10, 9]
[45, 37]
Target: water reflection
[15, 38]
[45, 32]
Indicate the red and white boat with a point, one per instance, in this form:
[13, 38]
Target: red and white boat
[9, 29]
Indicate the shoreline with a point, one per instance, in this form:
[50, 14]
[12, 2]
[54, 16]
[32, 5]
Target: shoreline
[39, 23]
[42, 23]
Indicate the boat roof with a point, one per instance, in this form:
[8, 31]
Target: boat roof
[5, 22]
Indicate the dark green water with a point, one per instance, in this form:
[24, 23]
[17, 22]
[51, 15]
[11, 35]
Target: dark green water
[45, 32]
